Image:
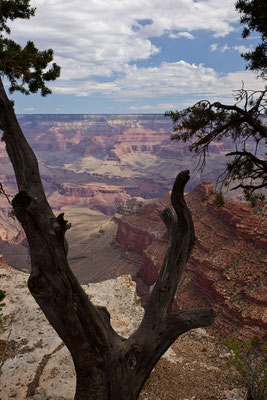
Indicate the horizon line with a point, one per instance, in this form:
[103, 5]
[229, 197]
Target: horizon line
[89, 113]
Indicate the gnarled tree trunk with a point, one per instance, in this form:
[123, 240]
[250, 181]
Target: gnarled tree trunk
[107, 365]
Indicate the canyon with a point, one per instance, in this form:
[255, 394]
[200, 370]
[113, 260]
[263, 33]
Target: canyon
[97, 162]
[228, 264]
[101, 160]
[111, 176]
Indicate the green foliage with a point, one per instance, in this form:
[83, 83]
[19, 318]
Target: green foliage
[254, 16]
[2, 296]
[12, 214]
[12, 9]
[25, 67]
[205, 123]
[253, 198]
[219, 199]
[250, 359]
[195, 120]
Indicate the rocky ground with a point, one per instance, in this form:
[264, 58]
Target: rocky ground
[195, 370]
[34, 363]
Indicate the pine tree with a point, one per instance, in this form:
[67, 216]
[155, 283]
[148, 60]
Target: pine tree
[206, 122]
[24, 67]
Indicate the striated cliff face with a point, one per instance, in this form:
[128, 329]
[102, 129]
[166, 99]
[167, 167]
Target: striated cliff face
[10, 228]
[100, 161]
[122, 155]
[226, 268]
[98, 196]
[138, 236]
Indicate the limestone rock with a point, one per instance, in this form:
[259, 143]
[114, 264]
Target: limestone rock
[40, 366]
[236, 394]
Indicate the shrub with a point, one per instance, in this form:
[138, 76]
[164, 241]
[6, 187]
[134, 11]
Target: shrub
[219, 199]
[254, 199]
[250, 359]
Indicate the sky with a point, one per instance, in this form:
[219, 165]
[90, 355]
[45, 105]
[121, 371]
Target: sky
[137, 56]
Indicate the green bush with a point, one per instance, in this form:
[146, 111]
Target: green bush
[219, 199]
[250, 359]
[2, 296]
[254, 199]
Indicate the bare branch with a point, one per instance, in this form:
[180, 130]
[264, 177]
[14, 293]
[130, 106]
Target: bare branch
[211, 136]
[7, 196]
[255, 159]
[190, 318]
[251, 187]
[248, 117]
[204, 123]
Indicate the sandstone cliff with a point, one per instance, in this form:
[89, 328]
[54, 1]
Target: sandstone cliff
[226, 268]
[112, 156]
[95, 161]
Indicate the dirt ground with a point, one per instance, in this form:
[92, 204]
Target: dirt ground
[197, 371]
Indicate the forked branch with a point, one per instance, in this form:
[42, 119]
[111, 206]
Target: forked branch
[178, 221]
[108, 366]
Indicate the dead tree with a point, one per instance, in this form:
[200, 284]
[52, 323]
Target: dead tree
[107, 365]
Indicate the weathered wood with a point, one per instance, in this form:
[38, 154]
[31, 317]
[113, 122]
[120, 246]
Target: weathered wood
[108, 366]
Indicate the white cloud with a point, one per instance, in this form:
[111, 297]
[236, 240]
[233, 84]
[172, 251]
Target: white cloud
[224, 48]
[213, 47]
[97, 41]
[29, 109]
[242, 49]
[167, 106]
[146, 107]
[169, 80]
[178, 35]
[93, 38]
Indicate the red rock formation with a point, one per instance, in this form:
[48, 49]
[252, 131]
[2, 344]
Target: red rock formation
[102, 197]
[3, 264]
[226, 268]
[131, 152]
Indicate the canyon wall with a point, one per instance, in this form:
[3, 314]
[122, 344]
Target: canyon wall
[97, 162]
[226, 268]
[101, 160]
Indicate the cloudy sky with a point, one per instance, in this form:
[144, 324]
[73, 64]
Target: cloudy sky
[137, 56]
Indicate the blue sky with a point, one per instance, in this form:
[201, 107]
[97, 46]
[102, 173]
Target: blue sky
[137, 56]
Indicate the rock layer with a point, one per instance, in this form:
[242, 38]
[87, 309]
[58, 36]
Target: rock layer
[226, 268]
[122, 155]
[98, 161]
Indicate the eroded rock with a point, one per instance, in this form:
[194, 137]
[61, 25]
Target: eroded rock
[226, 268]
[40, 367]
